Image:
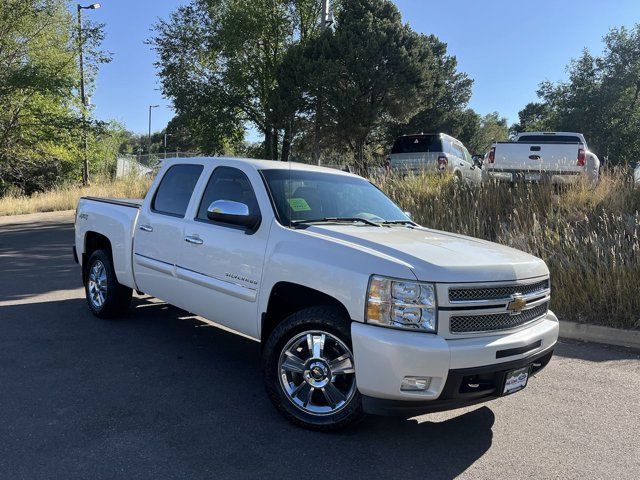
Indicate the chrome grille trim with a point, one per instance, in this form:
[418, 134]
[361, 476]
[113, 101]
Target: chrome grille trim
[495, 293]
[491, 322]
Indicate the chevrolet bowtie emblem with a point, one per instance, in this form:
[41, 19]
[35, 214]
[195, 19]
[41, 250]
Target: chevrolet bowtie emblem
[516, 304]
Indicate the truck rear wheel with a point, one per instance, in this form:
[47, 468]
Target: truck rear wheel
[105, 296]
[309, 370]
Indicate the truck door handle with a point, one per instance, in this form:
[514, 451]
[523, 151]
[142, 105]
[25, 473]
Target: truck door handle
[193, 240]
[146, 228]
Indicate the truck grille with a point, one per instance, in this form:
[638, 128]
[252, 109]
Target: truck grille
[495, 321]
[470, 294]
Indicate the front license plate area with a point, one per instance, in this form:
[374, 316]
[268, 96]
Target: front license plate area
[516, 380]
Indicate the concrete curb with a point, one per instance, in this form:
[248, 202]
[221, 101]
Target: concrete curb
[600, 334]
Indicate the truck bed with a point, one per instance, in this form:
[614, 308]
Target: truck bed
[115, 219]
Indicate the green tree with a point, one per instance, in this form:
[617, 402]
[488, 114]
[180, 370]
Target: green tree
[490, 128]
[443, 105]
[379, 65]
[40, 116]
[369, 73]
[534, 117]
[218, 59]
[601, 99]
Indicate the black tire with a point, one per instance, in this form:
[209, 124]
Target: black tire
[117, 298]
[320, 319]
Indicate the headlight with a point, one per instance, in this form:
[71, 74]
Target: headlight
[401, 304]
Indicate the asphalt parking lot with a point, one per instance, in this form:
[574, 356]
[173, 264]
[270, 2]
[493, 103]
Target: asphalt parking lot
[161, 395]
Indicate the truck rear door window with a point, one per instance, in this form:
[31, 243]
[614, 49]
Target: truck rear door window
[175, 190]
[417, 144]
[549, 139]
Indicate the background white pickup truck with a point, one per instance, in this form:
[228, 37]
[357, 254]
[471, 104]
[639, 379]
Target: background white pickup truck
[358, 308]
[561, 157]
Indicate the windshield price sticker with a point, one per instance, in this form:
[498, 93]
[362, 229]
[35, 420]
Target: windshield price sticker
[299, 205]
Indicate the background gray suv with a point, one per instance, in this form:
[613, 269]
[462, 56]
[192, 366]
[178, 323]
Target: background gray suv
[434, 152]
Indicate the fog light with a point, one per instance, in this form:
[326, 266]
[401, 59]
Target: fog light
[415, 384]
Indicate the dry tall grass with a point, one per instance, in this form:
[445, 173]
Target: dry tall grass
[66, 197]
[589, 238]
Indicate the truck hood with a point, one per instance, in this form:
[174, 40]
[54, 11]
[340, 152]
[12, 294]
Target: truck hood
[439, 256]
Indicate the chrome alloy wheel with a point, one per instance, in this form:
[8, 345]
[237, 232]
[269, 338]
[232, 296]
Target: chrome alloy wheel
[317, 372]
[98, 284]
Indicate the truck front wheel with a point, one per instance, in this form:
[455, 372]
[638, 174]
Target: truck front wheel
[105, 296]
[309, 370]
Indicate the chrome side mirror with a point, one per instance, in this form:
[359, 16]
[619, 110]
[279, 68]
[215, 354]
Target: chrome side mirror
[234, 213]
[408, 214]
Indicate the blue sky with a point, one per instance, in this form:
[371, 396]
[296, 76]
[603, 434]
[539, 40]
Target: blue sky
[507, 47]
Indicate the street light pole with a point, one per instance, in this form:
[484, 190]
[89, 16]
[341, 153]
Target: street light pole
[83, 97]
[149, 140]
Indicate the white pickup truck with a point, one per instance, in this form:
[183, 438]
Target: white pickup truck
[559, 157]
[358, 308]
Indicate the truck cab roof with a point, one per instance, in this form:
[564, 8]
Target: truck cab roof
[257, 164]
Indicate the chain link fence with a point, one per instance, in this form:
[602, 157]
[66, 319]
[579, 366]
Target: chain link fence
[147, 164]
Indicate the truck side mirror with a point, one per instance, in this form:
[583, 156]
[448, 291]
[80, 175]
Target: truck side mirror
[234, 213]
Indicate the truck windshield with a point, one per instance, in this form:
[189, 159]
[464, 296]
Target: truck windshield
[300, 196]
[549, 139]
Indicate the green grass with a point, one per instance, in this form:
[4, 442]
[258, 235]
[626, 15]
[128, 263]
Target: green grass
[589, 238]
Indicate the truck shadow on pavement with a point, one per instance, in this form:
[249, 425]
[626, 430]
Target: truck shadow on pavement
[158, 394]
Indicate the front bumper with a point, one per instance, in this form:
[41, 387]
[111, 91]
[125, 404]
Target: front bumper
[383, 357]
[456, 392]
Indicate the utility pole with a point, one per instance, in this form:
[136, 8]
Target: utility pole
[165, 142]
[83, 97]
[326, 19]
[149, 139]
